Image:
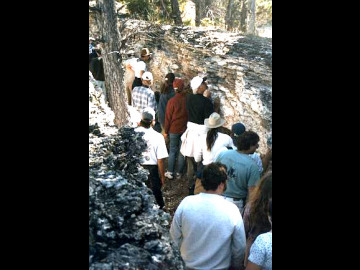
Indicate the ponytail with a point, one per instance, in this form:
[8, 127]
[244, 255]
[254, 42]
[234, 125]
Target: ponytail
[211, 136]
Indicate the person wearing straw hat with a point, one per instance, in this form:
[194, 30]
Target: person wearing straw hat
[136, 67]
[139, 66]
[199, 108]
[209, 144]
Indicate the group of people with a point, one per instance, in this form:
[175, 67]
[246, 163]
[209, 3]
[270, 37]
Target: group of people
[226, 221]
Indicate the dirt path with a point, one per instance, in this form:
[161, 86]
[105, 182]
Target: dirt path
[174, 191]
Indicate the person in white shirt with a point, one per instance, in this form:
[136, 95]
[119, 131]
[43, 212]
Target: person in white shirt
[209, 145]
[260, 257]
[153, 157]
[208, 229]
[211, 142]
[135, 68]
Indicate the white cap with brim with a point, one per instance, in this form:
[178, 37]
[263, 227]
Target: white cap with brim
[195, 83]
[147, 76]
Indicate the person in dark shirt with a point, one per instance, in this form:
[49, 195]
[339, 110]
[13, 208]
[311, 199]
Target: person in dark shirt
[97, 70]
[199, 108]
[92, 47]
[166, 92]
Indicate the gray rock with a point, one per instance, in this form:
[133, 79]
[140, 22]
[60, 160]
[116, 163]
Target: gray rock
[126, 228]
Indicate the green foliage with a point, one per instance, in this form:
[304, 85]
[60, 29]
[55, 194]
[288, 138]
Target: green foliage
[138, 7]
[263, 11]
[150, 10]
[207, 22]
[187, 22]
[154, 11]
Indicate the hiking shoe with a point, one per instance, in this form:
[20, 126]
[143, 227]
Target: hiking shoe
[169, 175]
[178, 175]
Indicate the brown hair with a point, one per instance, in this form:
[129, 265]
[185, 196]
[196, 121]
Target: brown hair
[165, 87]
[259, 202]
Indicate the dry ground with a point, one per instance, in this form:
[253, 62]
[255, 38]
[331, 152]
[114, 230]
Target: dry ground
[173, 192]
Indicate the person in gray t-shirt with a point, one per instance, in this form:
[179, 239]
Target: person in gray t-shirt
[242, 170]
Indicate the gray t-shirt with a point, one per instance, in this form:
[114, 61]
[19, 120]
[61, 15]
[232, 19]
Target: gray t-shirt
[261, 251]
[242, 173]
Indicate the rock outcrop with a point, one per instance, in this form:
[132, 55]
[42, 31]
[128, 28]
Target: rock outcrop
[126, 229]
[239, 68]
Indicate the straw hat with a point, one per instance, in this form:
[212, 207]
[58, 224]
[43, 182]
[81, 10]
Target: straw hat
[214, 121]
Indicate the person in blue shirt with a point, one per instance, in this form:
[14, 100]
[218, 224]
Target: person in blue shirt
[243, 172]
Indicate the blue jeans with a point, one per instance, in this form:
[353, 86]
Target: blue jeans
[174, 152]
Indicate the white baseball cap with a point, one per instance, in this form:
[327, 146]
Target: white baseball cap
[196, 82]
[147, 76]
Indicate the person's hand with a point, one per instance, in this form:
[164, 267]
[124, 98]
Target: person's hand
[162, 178]
[165, 136]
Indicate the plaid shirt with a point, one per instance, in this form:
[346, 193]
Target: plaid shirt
[143, 97]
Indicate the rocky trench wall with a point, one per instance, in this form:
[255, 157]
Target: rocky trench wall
[126, 228]
[239, 68]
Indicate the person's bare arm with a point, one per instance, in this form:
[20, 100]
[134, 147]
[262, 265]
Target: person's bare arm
[141, 73]
[252, 266]
[161, 170]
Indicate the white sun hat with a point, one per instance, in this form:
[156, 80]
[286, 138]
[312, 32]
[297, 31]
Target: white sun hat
[214, 121]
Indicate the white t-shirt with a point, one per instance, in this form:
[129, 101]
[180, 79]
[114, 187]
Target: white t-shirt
[136, 65]
[156, 146]
[221, 142]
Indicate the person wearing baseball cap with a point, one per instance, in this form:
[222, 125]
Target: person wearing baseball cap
[199, 108]
[261, 160]
[143, 96]
[175, 124]
[153, 157]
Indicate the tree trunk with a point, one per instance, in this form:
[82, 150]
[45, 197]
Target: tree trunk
[229, 21]
[251, 17]
[164, 11]
[107, 24]
[199, 11]
[243, 17]
[176, 12]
